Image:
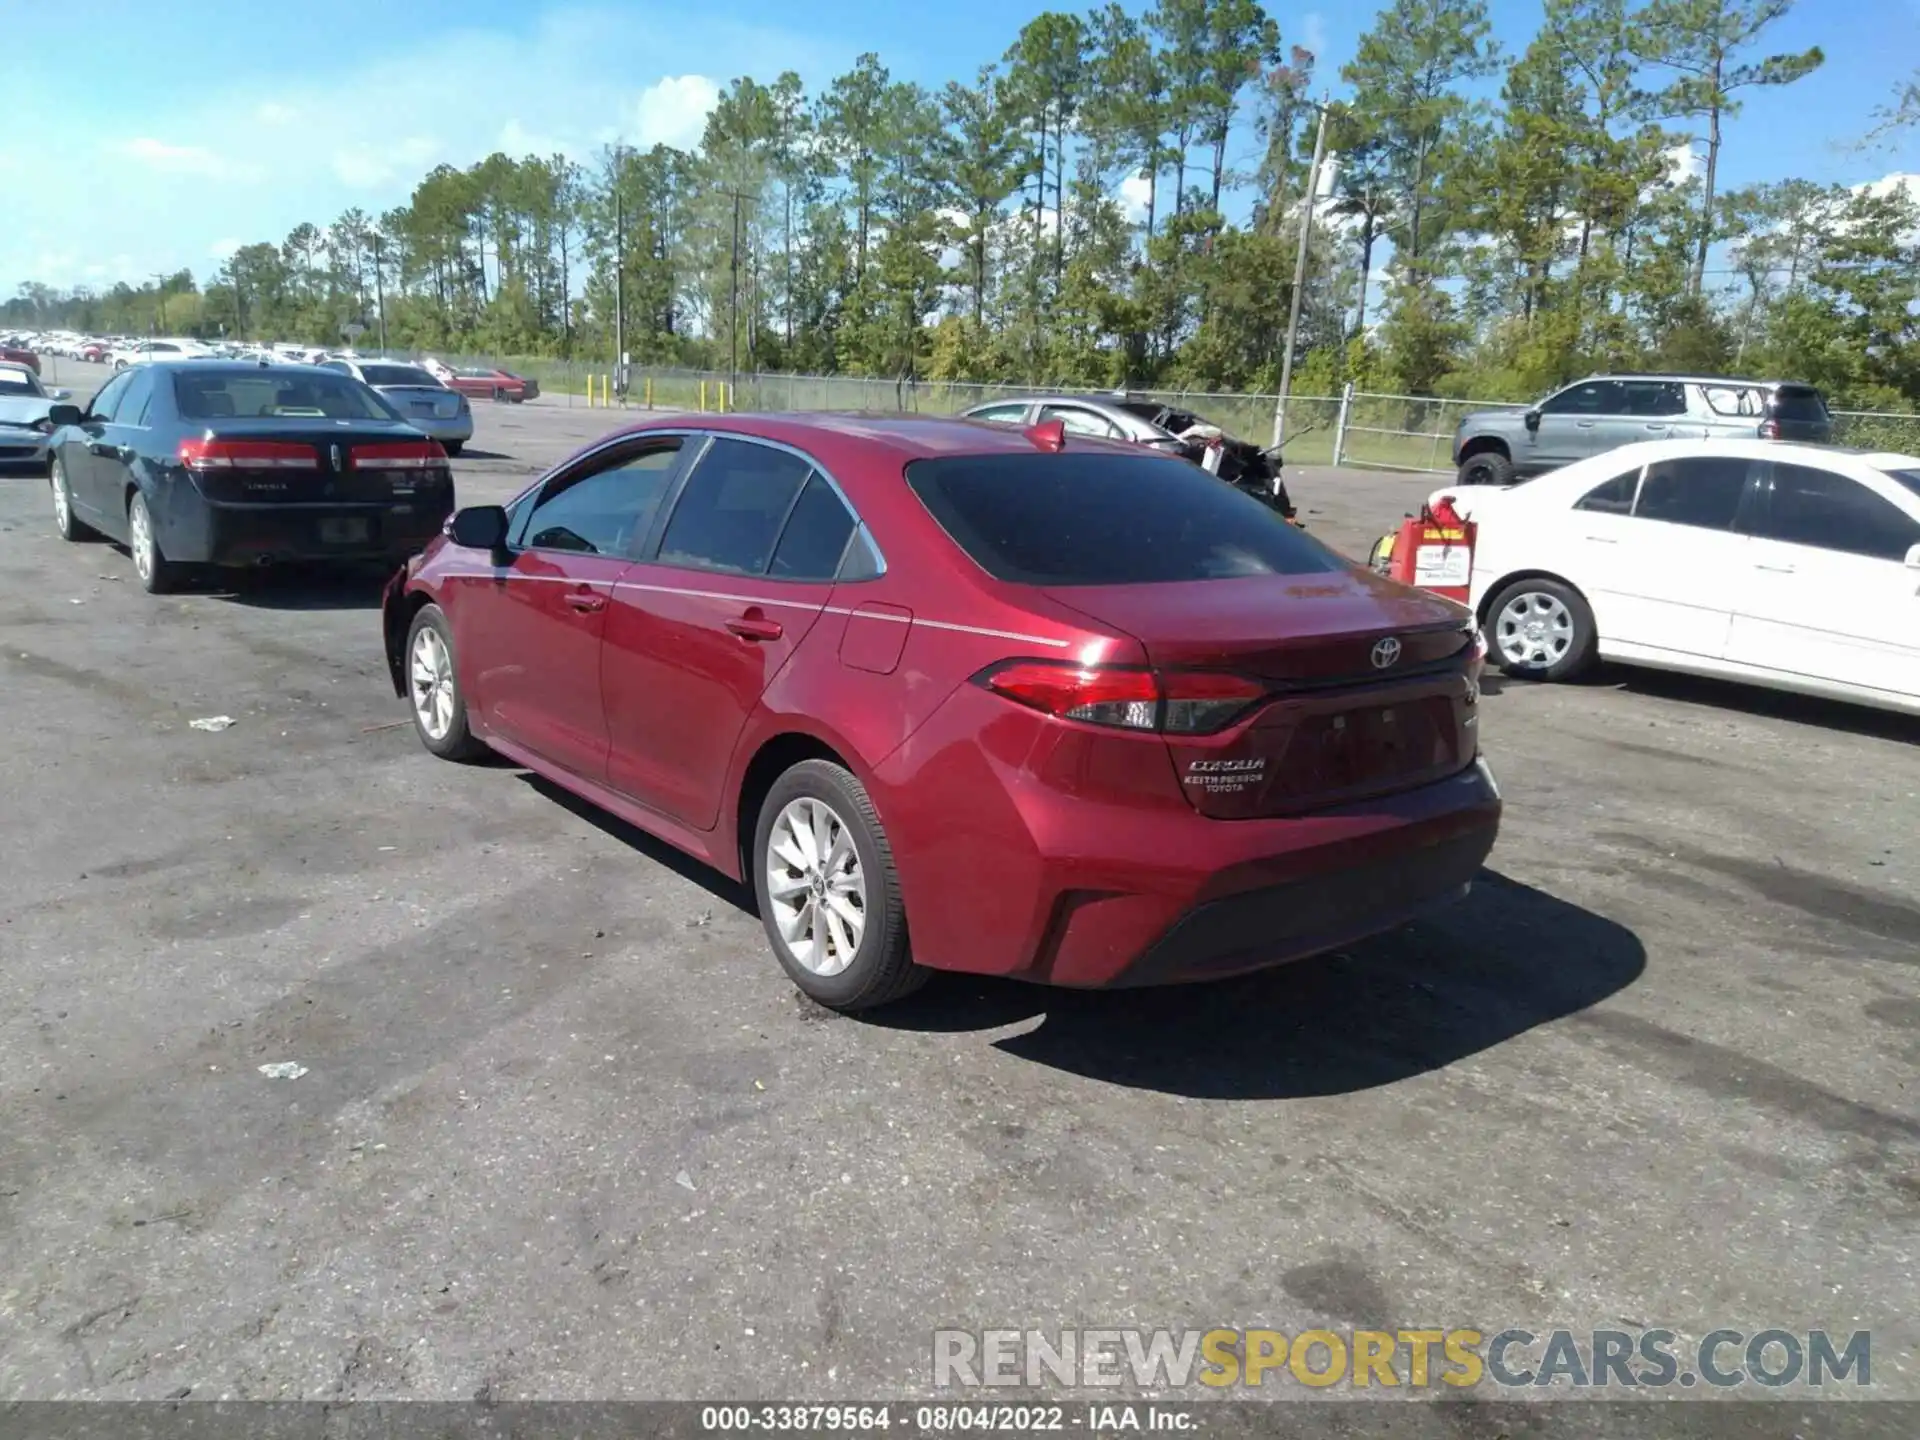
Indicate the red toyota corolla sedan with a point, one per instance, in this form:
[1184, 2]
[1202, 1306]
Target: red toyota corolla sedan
[955, 696]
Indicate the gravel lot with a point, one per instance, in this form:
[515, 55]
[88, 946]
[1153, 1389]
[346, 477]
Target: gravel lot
[566, 1132]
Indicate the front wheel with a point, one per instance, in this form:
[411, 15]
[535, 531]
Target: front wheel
[1487, 468]
[829, 896]
[433, 687]
[1541, 629]
[65, 524]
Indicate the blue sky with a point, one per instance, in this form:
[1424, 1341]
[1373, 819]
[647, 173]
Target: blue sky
[145, 137]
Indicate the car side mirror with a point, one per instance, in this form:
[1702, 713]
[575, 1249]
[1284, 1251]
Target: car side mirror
[59, 415]
[479, 527]
[1532, 419]
[1913, 558]
[60, 394]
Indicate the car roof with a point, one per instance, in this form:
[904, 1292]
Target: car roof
[238, 367]
[908, 436]
[1690, 379]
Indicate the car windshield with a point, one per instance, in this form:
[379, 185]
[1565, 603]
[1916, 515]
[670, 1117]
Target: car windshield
[398, 375]
[265, 395]
[17, 382]
[1102, 519]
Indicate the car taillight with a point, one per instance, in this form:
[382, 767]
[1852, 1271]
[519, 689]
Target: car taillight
[1769, 429]
[210, 454]
[402, 455]
[1172, 702]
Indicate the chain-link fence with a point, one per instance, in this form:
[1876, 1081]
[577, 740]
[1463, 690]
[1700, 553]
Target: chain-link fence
[1877, 430]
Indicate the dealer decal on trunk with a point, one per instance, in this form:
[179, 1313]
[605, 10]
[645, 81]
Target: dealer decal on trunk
[1225, 776]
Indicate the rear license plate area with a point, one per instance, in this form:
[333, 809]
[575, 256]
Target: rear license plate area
[344, 532]
[1372, 743]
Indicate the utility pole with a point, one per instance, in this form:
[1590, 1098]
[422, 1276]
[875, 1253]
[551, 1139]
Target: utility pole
[1299, 275]
[160, 288]
[733, 319]
[619, 268]
[379, 294]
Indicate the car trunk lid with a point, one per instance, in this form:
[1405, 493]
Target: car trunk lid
[432, 402]
[1366, 686]
[265, 462]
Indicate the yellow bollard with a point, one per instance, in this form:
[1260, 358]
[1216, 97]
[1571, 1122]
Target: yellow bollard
[589, 390]
[703, 397]
[649, 392]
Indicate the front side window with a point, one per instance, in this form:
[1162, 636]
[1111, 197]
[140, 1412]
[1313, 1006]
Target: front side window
[1097, 519]
[607, 511]
[1078, 421]
[1807, 506]
[1702, 491]
[1001, 414]
[733, 508]
[1589, 397]
[108, 400]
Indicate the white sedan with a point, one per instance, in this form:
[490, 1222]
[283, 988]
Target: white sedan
[1791, 566]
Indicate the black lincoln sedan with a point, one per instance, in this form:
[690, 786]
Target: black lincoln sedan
[215, 463]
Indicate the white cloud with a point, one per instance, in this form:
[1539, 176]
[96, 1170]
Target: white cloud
[370, 165]
[223, 249]
[674, 111]
[1684, 163]
[181, 159]
[1313, 34]
[518, 141]
[1132, 196]
[272, 112]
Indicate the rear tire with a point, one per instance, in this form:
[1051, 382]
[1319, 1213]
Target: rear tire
[435, 699]
[1489, 467]
[838, 925]
[1541, 629]
[453, 447]
[158, 575]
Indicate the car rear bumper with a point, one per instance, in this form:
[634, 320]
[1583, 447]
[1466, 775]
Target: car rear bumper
[458, 428]
[210, 533]
[1044, 886]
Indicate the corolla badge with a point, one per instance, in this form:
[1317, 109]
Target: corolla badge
[336, 456]
[1386, 652]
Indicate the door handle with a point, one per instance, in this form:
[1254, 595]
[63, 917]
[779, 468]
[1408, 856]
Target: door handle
[1656, 425]
[755, 627]
[1775, 569]
[1603, 540]
[586, 602]
[1584, 424]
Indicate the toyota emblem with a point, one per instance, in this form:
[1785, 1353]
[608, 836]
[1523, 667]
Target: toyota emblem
[1385, 652]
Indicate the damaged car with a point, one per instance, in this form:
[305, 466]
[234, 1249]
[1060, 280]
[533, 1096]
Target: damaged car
[1144, 420]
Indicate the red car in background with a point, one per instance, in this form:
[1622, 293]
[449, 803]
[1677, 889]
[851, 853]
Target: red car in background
[14, 354]
[953, 695]
[481, 382]
[95, 351]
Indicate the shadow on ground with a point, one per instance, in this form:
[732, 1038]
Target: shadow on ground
[300, 587]
[684, 865]
[1492, 966]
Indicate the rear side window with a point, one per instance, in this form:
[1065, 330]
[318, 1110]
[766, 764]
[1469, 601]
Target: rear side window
[1654, 397]
[1613, 498]
[1798, 402]
[815, 538]
[1806, 506]
[1067, 519]
[1703, 491]
[1734, 400]
[1908, 478]
[1001, 414]
[734, 507]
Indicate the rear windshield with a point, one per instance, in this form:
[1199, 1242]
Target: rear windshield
[1798, 402]
[398, 375]
[263, 394]
[1101, 519]
[16, 382]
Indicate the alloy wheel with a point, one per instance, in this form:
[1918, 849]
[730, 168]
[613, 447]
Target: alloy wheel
[1534, 628]
[432, 674]
[140, 539]
[817, 886]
